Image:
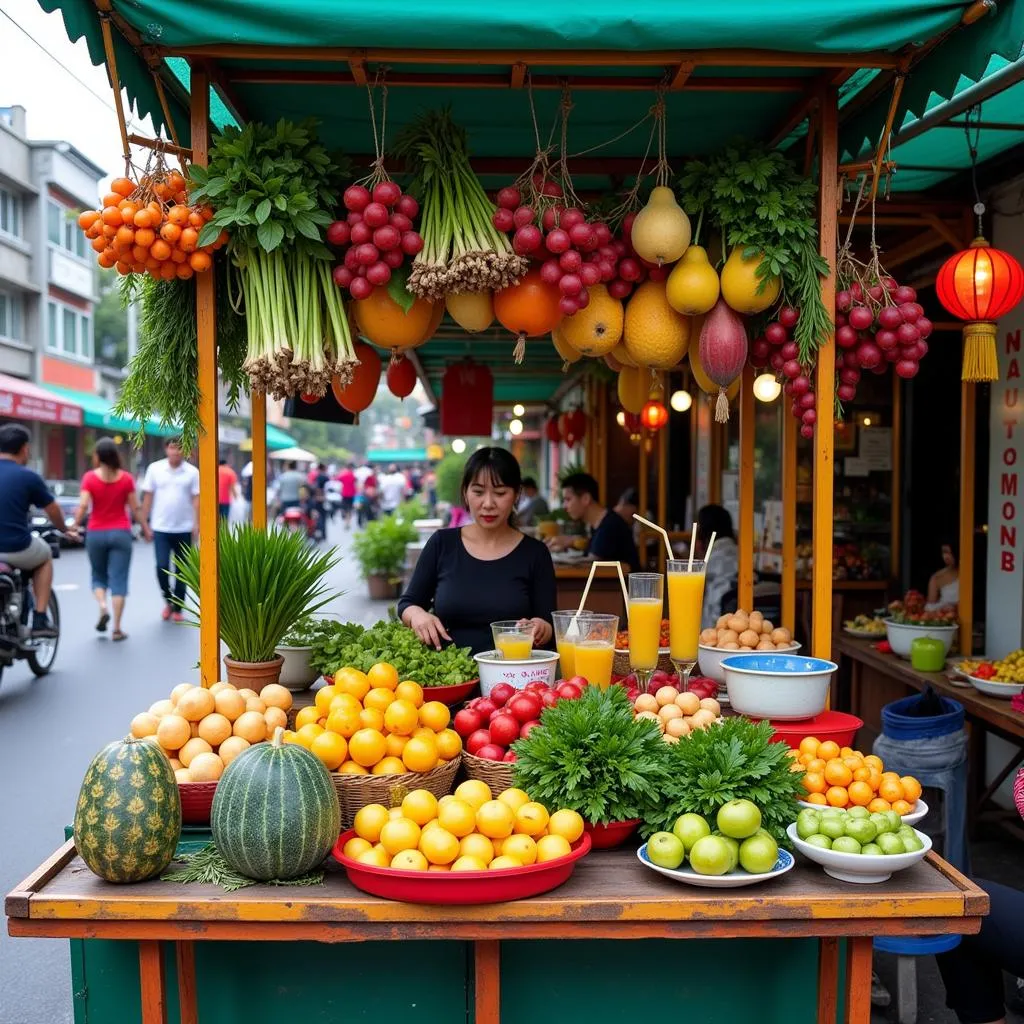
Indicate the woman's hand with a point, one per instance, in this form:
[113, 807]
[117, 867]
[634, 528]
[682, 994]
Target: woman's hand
[542, 631]
[427, 627]
[559, 543]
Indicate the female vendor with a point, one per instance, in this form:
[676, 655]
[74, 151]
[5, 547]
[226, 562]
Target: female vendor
[469, 577]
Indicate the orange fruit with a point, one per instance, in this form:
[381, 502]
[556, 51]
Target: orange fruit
[911, 789]
[191, 749]
[435, 715]
[876, 778]
[474, 792]
[409, 860]
[469, 864]
[873, 761]
[423, 731]
[531, 819]
[817, 798]
[566, 823]
[878, 804]
[388, 766]
[394, 745]
[845, 752]
[215, 729]
[323, 698]
[420, 806]
[420, 754]
[410, 691]
[351, 681]
[439, 846]
[344, 721]
[346, 702]
[449, 744]
[371, 718]
[809, 745]
[378, 698]
[399, 834]
[837, 796]
[496, 820]
[552, 847]
[457, 817]
[805, 759]
[515, 798]
[837, 773]
[383, 675]
[305, 735]
[330, 748]
[853, 763]
[369, 820]
[366, 747]
[503, 863]
[828, 750]
[816, 764]
[306, 715]
[860, 793]
[522, 847]
[351, 768]
[355, 846]
[476, 845]
[814, 782]
[890, 789]
[400, 717]
[862, 775]
[902, 807]
[378, 857]
[890, 775]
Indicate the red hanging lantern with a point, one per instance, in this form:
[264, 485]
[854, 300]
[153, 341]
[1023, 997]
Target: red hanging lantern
[552, 431]
[401, 377]
[573, 426]
[979, 285]
[654, 415]
[631, 423]
[357, 396]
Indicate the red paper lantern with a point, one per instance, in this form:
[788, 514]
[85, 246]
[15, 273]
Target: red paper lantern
[552, 431]
[979, 285]
[358, 395]
[467, 400]
[631, 423]
[401, 377]
[654, 415]
[573, 426]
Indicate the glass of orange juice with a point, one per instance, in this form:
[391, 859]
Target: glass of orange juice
[646, 597]
[566, 635]
[685, 601]
[513, 638]
[594, 651]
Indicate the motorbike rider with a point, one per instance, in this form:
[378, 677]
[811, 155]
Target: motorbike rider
[20, 489]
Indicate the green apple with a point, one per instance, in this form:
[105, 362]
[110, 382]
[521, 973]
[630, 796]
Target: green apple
[807, 823]
[895, 821]
[711, 856]
[820, 840]
[858, 812]
[734, 848]
[833, 827]
[862, 830]
[871, 850]
[738, 819]
[758, 854]
[906, 832]
[689, 828]
[912, 843]
[880, 821]
[891, 844]
[832, 812]
[666, 850]
[846, 844]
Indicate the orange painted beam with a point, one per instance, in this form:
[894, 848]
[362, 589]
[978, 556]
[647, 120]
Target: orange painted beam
[745, 589]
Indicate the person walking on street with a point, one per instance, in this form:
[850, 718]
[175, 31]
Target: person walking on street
[170, 506]
[290, 485]
[107, 491]
[349, 489]
[227, 488]
[394, 488]
[20, 489]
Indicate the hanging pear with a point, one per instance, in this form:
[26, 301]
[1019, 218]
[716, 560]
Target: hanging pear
[564, 349]
[661, 230]
[742, 288]
[472, 311]
[693, 285]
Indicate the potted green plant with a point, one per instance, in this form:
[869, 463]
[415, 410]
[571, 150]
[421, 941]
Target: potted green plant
[380, 551]
[267, 580]
[297, 647]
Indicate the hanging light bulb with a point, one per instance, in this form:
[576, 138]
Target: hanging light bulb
[620, 418]
[518, 409]
[766, 388]
[681, 400]
[458, 446]
[515, 427]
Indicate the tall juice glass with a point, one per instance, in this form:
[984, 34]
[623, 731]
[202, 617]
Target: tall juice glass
[566, 636]
[595, 648]
[685, 601]
[646, 598]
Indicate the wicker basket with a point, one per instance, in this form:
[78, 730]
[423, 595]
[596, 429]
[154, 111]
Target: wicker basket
[620, 664]
[356, 791]
[497, 774]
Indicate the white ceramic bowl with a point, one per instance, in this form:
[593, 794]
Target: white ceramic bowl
[900, 637]
[919, 811]
[709, 659]
[994, 689]
[779, 687]
[855, 867]
[494, 669]
[730, 880]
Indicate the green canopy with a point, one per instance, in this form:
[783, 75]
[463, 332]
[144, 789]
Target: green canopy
[97, 413]
[278, 439]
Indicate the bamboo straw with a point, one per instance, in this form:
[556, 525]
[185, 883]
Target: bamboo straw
[707, 554]
[693, 541]
[590, 579]
[661, 530]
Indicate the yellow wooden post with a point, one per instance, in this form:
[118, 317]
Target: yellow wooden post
[259, 459]
[662, 485]
[206, 339]
[790, 428]
[824, 434]
[642, 482]
[745, 588]
[967, 458]
[896, 508]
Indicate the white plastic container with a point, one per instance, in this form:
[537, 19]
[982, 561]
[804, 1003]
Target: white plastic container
[779, 687]
[494, 669]
[901, 636]
[296, 673]
[858, 867]
[709, 659]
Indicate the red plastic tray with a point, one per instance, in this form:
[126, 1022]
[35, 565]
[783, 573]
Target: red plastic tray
[829, 725]
[615, 833]
[447, 888]
[196, 801]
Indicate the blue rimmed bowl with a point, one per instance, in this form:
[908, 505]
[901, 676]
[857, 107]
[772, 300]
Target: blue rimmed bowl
[779, 687]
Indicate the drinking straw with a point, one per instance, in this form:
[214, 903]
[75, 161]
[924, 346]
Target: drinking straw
[693, 541]
[707, 554]
[655, 526]
[590, 579]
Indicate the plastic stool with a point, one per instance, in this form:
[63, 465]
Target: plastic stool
[905, 948]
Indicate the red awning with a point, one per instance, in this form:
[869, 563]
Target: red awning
[22, 400]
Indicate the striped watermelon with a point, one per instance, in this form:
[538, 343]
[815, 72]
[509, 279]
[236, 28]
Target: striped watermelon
[275, 813]
[128, 816]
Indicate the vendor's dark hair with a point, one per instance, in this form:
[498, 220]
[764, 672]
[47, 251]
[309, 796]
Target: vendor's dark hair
[13, 437]
[582, 483]
[713, 519]
[630, 496]
[953, 543]
[497, 465]
[107, 454]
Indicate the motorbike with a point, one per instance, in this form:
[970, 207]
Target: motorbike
[16, 605]
[297, 519]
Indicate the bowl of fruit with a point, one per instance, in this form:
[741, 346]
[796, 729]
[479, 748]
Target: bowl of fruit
[908, 620]
[857, 846]
[1003, 678]
[738, 633]
[779, 687]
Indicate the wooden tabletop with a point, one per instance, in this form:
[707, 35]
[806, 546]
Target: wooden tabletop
[609, 894]
[993, 710]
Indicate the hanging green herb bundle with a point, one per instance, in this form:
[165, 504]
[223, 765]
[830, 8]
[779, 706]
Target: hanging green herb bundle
[462, 250]
[163, 376]
[274, 190]
[760, 202]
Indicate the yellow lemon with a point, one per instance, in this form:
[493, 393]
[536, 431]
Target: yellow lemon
[552, 847]
[475, 793]
[531, 818]
[495, 820]
[503, 863]
[514, 798]
[567, 824]
[378, 857]
[476, 845]
[457, 817]
[439, 846]
[420, 806]
[355, 846]
[523, 848]
[400, 834]
[369, 820]
[469, 864]
[409, 860]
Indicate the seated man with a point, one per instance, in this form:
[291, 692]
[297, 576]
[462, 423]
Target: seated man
[20, 489]
[611, 540]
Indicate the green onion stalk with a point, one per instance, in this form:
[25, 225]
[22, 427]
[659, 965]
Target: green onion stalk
[462, 250]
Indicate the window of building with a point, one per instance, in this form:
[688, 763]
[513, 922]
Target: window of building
[53, 216]
[62, 229]
[52, 339]
[10, 213]
[68, 331]
[70, 338]
[11, 311]
[85, 337]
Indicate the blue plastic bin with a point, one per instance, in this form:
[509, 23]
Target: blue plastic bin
[900, 726]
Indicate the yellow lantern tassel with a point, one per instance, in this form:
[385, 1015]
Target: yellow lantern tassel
[722, 407]
[981, 361]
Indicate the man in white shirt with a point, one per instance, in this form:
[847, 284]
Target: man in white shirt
[170, 504]
[393, 489]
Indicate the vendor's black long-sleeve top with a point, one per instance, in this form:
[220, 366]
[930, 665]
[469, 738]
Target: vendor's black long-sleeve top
[467, 594]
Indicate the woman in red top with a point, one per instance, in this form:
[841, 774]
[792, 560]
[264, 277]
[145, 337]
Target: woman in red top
[108, 492]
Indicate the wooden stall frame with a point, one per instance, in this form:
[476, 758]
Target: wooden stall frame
[747, 540]
[258, 402]
[790, 434]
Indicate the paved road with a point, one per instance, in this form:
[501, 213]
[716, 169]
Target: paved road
[50, 728]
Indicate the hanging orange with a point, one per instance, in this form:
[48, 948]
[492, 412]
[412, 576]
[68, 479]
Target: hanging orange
[383, 321]
[358, 395]
[528, 309]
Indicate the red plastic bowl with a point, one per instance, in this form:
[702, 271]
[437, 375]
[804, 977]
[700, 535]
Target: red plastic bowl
[447, 888]
[615, 833]
[829, 725]
[450, 694]
[196, 801]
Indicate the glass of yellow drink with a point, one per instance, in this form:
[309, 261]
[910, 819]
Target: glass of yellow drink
[565, 641]
[513, 639]
[594, 651]
[685, 601]
[646, 600]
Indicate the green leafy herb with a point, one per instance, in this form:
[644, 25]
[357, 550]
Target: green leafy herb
[308, 631]
[207, 866]
[734, 760]
[399, 646]
[594, 757]
[380, 546]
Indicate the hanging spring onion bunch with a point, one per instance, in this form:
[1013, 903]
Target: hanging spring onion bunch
[272, 189]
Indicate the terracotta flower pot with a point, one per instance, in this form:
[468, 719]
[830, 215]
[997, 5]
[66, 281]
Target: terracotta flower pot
[253, 674]
[383, 588]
